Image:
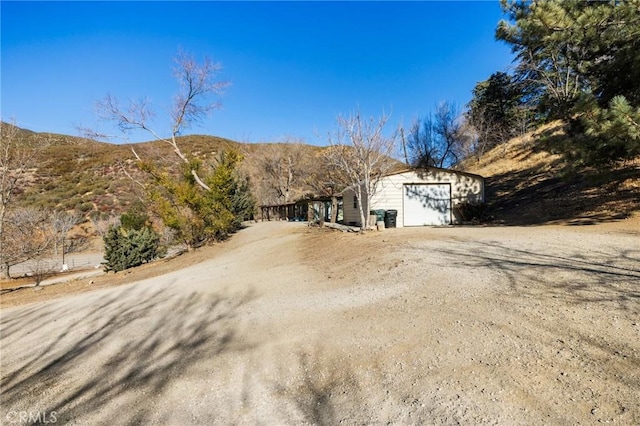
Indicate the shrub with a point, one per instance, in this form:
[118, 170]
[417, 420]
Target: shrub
[470, 212]
[84, 207]
[126, 248]
[68, 204]
[199, 216]
[135, 218]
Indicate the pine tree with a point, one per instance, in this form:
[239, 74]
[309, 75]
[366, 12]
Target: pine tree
[132, 242]
[550, 51]
[582, 59]
[495, 109]
[127, 248]
[197, 215]
[610, 134]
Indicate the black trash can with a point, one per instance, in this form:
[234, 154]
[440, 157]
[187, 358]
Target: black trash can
[390, 218]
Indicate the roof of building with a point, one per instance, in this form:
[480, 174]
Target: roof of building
[418, 169]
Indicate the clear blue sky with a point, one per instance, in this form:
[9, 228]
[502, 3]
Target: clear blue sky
[293, 66]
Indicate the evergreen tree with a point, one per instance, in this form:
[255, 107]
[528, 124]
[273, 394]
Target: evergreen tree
[126, 248]
[197, 215]
[612, 33]
[496, 109]
[231, 190]
[135, 217]
[581, 59]
[609, 134]
[550, 52]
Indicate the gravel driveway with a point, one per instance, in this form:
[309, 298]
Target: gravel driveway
[297, 325]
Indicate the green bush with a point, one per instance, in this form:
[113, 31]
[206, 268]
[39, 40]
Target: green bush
[135, 218]
[84, 207]
[126, 248]
[69, 204]
[199, 216]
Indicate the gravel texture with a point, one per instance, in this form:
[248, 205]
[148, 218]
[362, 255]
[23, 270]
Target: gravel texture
[294, 325]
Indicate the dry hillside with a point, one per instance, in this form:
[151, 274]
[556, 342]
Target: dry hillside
[95, 177]
[526, 184]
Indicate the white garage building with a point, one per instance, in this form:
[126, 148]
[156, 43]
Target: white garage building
[420, 196]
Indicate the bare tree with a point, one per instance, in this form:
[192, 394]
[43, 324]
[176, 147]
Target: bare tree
[185, 194]
[436, 141]
[193, 102]
[471, 140]
[102, 226]
[362, 153]
[325, 179]
[61, 224]
[41, 268]
[484, 133]
[447, 127]
[421, 141]
[18, 156]
[481, 131]
[28, 236]
[285, 169]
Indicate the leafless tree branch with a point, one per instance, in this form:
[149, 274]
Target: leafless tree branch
[363, 154]
[18, 155]
[198, 87]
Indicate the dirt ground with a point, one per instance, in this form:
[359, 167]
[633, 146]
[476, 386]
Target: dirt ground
[286, 324]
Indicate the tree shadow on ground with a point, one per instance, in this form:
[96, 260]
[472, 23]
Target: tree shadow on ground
[603, 282]
[317, 394]
[601, 275]
[551, 311]
[123, 351]
[329, 387]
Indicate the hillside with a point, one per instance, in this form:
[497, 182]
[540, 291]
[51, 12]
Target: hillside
[80, 174]
[95, 177]
[526, 184]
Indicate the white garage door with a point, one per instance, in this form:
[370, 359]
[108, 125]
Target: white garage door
[427, 204]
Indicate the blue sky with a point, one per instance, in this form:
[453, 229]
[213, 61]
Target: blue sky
[293, 66]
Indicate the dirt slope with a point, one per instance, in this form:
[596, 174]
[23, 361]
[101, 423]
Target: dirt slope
[289, 325]
[527, 184]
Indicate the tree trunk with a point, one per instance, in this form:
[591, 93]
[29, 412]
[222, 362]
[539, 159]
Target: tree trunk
[334, 209]
[3, 265]
[363, 218]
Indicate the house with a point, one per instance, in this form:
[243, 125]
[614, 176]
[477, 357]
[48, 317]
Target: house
[420, 196]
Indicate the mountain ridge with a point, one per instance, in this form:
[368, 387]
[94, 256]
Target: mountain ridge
[526, 183]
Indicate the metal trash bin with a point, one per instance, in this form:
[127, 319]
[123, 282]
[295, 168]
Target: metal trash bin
[390, 218]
